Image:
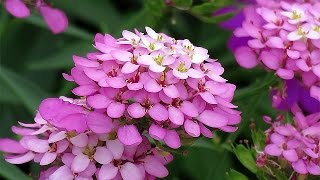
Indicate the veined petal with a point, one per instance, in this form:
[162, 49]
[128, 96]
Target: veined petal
[103, 155]
[129, 135]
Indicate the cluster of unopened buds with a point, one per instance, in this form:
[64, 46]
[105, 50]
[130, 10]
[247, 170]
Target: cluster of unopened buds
[56, 19]
[296, 142]
[283, 36]
[140, 94]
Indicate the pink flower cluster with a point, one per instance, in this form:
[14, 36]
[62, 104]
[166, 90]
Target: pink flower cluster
[80, 144]
[138, 90]
[55, 18]
[159, 81]
[283, 36]
[297, 143]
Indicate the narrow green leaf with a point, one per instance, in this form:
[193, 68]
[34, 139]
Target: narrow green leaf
[28, 92]
[246, 158]
[63, 58]
[72, 30]
[259, 139]
[182, 4]
[6, 95]
[11, 172]
[235, 175]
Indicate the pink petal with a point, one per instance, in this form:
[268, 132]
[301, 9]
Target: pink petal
[157, 132]
[116, 148]
[205, 131]
[75, 122]
[37, 145]
[300, 167]
[129, 68]
[11, 146]
[192, 128]
[55, 18]
[135, 110]
[94, 73]
[107, 172]
[81, 61]
[154, 167]
[152, 86]
[270, 60]
[275, 42]
[57, 136]
[129, 135]
[213, 119]
[21, 158]
[175, 115]
[103, 155]
[291, 155]
[273, 150]
[62, 173]
[145, 60]
[80, 163]
[88, 172]
[99, 123]
[48, 158]
[130, 171]
[81, 140]
[313, 168]
[116, 82]
[17, 8]
[208, 97]
[171, 91]
[189, 109]
[285, 74]
[246, 57]
[121, 55]
[85, 90]
[98, 101]
[116, 109]
[172, 139]
[158, 112]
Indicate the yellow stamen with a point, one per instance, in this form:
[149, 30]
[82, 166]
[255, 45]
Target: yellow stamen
[152, 47]
[301, 32]
[158, 59]
[182, 68]
[295, 15]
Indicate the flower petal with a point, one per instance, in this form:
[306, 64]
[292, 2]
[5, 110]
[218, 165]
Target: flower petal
[129, 135]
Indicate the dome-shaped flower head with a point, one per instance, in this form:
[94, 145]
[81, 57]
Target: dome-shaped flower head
[153, 80]
[282, 36]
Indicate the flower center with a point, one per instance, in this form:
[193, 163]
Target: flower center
[158, 59]
[301, 32]
[182, 68]
[295, 15]
[152, 46]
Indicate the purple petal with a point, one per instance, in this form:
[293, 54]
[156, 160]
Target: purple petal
[175, 115]
[208, 97]
[129, 68]
[135, 110]
[290, 155]
[189, 109]
[17, 8]
[63, 172]
[313, 168]
[122, 55]
[75, 122]
[20, 159]
[246, 57]
[300, 167]
[48, 158]
[152, 86]
[107, 172]
[192, 128]
[116, 148]
[11, 146]
[130, 171]
[171, 91]
[98, 101]
[154, 167]
[213, 119]
[37, 145]
[116, 82]
[85, 90]
[116, 109]
[55, 18]
[99, 123]
[158, 112]
[273, 150]
[81, 140]
[103, 155]
[172, 139]
[157, 132]
[129, 135]
[80, 163]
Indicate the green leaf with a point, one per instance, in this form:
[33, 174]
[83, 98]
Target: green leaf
[259, 139]
[29, 94]
[246, 158]
[71, 30]
[235, 175]
[63, 58]
[182, 4]
[11, 172]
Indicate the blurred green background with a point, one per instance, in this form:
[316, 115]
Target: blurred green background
[32, 60]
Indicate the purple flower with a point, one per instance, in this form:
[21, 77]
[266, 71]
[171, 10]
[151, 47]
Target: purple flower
[282, 36]
[55, 18]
